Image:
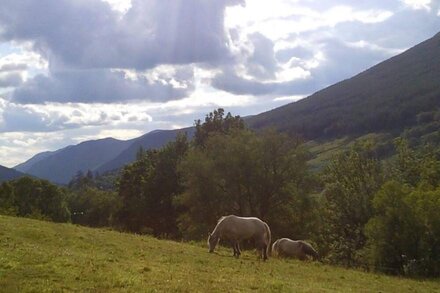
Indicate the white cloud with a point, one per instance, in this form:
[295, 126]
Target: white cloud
[277, 19]
[374, 47]
[289, 98]
[418, 4]
[119, 5]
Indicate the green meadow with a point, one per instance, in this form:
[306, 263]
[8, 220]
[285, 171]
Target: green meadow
[37, 256]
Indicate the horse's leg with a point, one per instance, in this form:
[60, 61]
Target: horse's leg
[265, 252]
[262, 248]
[234, 247]
[237, 245]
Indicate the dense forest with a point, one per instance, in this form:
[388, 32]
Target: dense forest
[359, 211]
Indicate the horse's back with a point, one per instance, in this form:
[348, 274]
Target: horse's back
[288, 247]
[242, 227]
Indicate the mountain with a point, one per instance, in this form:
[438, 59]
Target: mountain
[24, 167]
[400, 96]
[9, 174]
[400, 93]
[97, 155]
[60, 166]
[151, 140]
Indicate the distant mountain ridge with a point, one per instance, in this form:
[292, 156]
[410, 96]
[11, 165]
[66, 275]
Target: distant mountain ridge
[96, 155]
[7, 174]
[61, 165]
[401, 92]
[24, 167]
[151, 140]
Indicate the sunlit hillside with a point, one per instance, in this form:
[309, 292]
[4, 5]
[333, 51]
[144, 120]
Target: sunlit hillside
[39, 256]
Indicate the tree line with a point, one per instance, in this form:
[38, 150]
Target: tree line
[359, 211]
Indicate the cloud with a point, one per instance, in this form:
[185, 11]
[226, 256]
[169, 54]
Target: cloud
[101, 85]
[88, 44]
[10, 79]
[317, 44]
[89, 34]
[13, 67]
[418, 4]
[322, 68]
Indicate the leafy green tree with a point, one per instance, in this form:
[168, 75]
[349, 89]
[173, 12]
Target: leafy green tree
[7, 199]
[425, 205]
[35, 198]
[351, 180]
[243, 173]
[404, 234]
[93, 207]
[216, 123]
[392, 233]
[147, 189]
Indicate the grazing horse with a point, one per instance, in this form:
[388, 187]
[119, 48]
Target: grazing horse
[286, 247]
[235, 229]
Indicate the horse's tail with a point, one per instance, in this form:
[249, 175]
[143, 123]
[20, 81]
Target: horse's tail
[274, 248]
[268, 240]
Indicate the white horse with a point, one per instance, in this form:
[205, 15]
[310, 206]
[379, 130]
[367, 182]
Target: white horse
[235, 229]
[286, 247]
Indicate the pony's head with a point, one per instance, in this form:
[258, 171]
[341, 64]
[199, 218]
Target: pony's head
[212, 241]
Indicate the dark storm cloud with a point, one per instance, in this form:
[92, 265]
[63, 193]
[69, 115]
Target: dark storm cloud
[89, 34]
[99, 85]
[84, 39]
[10, 79]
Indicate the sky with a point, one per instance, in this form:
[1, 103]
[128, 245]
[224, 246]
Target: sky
[76, 70]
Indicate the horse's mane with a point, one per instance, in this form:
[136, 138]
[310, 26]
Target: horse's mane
[221, 219]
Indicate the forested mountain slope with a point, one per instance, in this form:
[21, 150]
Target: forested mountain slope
[401, 92]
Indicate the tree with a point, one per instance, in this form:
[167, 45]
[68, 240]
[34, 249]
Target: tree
[351, 180]
[391, 232]
[93, 207]
[7, 199]
[216, 123]
[28, 197]
[147, 189]
[404, 234]
[246, 174]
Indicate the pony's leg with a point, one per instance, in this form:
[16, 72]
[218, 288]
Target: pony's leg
[237, 245]
[264, 252]
[234, 247]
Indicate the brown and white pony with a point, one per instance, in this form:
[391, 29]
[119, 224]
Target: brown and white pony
[299, 249]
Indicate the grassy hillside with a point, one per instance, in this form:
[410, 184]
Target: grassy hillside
[40, 256]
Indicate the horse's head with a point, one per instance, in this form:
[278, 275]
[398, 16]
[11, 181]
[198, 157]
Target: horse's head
[212, 242]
